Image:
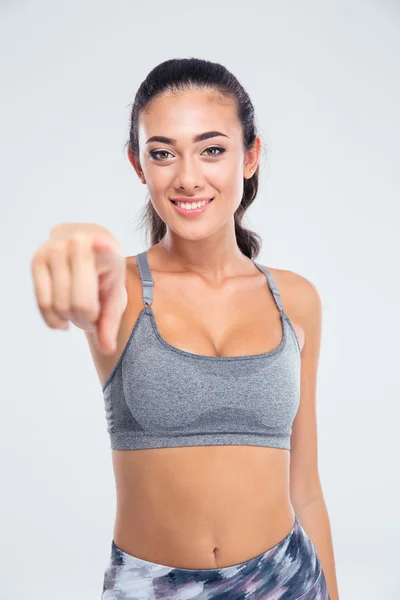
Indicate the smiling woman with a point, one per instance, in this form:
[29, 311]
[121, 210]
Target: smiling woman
[209, 392]
[203, 394]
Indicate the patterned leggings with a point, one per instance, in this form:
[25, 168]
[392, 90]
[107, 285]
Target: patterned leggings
[291, 570]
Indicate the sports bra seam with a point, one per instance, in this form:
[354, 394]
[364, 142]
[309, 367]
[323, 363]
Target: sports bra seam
[128, 343]
[232, 434]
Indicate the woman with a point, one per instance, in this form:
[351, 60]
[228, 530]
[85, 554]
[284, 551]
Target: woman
[210, 386]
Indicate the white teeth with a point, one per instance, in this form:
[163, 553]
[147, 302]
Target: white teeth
[191, 205]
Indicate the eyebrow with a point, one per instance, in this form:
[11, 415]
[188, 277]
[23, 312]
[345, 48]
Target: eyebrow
[197, 138]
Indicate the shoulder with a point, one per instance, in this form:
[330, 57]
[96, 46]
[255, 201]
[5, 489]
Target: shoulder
[297, 291]
[301, 301]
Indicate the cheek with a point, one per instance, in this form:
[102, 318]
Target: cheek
[231, 174]
[159, 180]
[230, 186]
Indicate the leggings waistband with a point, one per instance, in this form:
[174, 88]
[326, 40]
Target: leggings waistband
[290, 570]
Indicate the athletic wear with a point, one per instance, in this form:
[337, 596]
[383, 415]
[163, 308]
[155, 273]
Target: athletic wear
[291, 570]
[158, 396]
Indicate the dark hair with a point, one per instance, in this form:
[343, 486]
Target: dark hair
[188, 73]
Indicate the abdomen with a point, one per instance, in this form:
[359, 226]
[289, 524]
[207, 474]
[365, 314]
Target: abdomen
[201, 507]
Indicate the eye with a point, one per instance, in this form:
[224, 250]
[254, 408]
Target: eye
[220, 150]
[156, 153]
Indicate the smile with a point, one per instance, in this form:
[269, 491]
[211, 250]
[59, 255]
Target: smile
[192, 208]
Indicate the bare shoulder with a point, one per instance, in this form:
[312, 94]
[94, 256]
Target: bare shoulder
[297, 291]
[301, 300]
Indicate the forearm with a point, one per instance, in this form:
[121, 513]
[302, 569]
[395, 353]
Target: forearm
[314, 519]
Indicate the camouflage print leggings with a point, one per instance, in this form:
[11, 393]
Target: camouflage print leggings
[291, 570]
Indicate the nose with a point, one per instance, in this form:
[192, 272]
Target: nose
[189, 176]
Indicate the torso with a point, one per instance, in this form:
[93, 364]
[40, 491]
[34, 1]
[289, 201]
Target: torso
[206, 506]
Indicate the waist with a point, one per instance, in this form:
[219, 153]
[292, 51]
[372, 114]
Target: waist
[198, 505]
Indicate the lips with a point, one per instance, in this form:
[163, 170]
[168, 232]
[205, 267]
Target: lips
[192, 212]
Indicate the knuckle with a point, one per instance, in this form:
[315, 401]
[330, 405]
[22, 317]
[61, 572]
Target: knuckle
[78, 240]
[58, 247]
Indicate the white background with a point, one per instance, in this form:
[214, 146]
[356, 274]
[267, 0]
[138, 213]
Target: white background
[324, 78]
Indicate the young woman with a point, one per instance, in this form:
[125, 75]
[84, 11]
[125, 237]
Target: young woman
[210, 387]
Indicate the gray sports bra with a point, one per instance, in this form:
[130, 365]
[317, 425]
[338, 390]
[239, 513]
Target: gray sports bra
[158, 396]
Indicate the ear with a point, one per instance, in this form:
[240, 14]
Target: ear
[252, 159]
[135, 164]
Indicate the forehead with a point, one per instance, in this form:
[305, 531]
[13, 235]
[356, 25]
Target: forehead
[183, 114]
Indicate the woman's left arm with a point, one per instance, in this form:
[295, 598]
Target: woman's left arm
[305, 486]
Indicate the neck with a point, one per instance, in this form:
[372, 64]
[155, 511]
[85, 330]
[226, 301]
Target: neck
[216, 256]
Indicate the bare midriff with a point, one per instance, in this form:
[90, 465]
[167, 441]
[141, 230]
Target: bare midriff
[201, 507]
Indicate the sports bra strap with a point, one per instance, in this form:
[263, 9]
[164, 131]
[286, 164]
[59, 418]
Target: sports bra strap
[272, 287]
[145, 276]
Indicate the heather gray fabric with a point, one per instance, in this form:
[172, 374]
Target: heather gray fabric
[158, 396]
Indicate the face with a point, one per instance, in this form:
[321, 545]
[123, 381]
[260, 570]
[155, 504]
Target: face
[181, 166]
